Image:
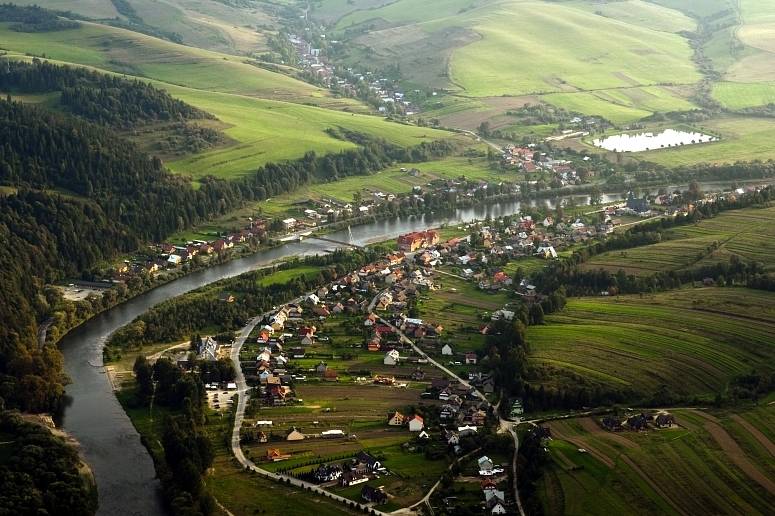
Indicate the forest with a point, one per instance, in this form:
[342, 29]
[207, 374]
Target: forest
[100, 98]
[39, 472]
[33, 19]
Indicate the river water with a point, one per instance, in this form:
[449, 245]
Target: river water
[123, 469]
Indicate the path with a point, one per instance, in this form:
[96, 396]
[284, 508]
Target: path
[239, 416]
[756, 433]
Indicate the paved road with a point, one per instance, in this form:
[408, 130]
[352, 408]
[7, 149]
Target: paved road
[503, 426]
[239, 416]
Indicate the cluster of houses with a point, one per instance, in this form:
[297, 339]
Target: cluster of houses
[494, 499]
[171, 255]
[529, 160]
[349, 82]
[358, 470]
[638, 422]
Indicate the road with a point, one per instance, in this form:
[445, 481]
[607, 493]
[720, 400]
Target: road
[480, 139]
[239, 416]
[504, 425]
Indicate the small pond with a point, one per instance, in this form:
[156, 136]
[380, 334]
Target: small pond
[638, 142]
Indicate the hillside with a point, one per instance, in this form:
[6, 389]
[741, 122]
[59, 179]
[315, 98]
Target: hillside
[268, 116]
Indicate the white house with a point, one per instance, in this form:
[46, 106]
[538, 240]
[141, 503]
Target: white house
[392, 357]
[289, 223]
[313, 299]
[485, 466]
[446, 350]
[546, 251]
[174, 259]
[416, 424]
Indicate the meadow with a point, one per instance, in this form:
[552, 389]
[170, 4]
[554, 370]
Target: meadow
[694, 341]
[710, 463]
[747, 234]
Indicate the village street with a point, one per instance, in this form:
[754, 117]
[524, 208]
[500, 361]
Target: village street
[239, 415]
[504, 425]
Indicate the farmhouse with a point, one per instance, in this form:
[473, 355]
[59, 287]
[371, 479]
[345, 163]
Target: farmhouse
[392, 357]
[373, 495]
[368, 461]
[446, 350]
[396, 419]
[275, 455]
[471, 358]
[416, 424]
[294, 435]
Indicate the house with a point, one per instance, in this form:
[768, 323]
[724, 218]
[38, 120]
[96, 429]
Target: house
[275, 455]
[174, 259]
[368, 461]
[392, 357]
[353, 477]
[423, 435]
[330, 375]
[313, 299]
[289, 223]
[327, 473]
[467, 430]
[396, 419]
[546, 252]
[416, 424]
[664, 420]
[485, 466]
[294, 435]
[207, 349]
[471, 358]
[412, 241]
[446, 350]
[494, 500]
[373, 495]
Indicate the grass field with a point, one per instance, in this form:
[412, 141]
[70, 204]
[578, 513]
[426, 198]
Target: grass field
[746, 233]
[223, 26]
[270, 116]
[691, 340]
[578, 55]
[707, 465]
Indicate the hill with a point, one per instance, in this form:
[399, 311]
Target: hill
[269, 116]
[746, 234]
[693, 341]
[716, 461]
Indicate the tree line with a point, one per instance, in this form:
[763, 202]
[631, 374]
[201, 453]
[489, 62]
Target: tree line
[33, 19]
[104, 99]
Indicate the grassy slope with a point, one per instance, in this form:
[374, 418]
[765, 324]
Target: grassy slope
[693, 341]
[746, 233]
[124, 51]
[561, 49]
[653, 472]
[212, 25]
[267, 131]
[268, 112]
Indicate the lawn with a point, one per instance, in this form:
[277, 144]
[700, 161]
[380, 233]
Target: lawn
[693, 341]
[746, 233]
[687, 470]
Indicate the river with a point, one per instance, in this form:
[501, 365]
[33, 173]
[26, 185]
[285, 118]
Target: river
[122, 467]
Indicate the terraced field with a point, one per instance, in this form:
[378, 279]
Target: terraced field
[692, 341]
[706, 465]
[746, 233]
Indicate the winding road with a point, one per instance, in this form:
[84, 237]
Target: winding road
[239, 416]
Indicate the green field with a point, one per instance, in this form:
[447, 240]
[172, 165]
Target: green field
[578, 55]
[270, 116]
[222, 26]
[746, 233]
[693, 341]
[710, 464]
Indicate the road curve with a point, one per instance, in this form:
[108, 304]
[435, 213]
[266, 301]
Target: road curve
[239, 416]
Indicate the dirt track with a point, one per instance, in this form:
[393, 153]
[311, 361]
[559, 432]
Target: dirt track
[756, 434]
[738, 457]
[657, 489]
